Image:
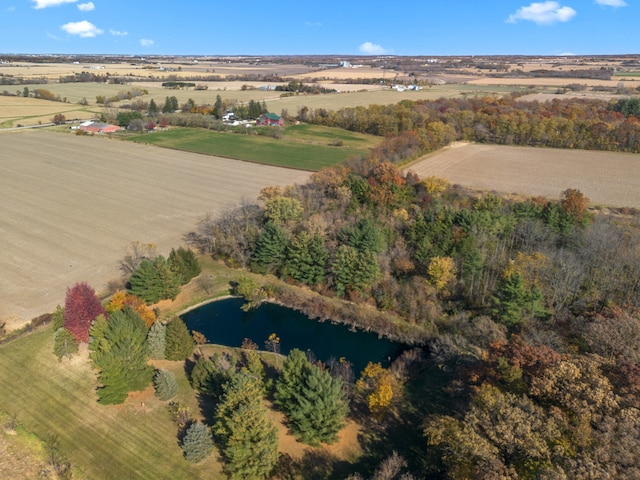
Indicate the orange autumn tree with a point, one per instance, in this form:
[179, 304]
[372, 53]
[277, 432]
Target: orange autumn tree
[122, 299]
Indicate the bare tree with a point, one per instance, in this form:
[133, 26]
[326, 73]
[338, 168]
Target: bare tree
[135, 254]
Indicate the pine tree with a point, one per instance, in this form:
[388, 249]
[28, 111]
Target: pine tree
[153, 107]
[249, 438]
[64, 344]
[81, 307]
[119, 351]
[154, 281]
[197, 444]
[306, 259]
[295, 368]
[202, 374]
[179, 343]
[165, 385]
[312, 399]
[157, 341]
[58, 318]
[184, 263]
[269, 253]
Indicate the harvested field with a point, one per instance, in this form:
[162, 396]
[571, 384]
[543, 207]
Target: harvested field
[31, 111]
[555, 82]
[72, 205]
[608, 179]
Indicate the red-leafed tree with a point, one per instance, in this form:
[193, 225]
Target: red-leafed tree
[81, 307]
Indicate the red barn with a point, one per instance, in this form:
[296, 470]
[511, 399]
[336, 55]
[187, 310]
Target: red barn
[270, 120]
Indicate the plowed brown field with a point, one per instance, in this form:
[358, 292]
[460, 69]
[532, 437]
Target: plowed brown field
[608, 179]
[72, 205]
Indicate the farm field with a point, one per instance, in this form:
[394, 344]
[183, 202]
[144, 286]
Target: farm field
[72, 205]
[299, 148]
[608, 179]
[33, 111]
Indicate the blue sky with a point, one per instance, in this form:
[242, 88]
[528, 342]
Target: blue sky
[346, 27]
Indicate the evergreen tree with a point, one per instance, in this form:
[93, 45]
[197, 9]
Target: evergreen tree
[153, 107]
[354, 270]
[295, 368]
[58, 318]
[179, 343]
[157, 341]
[270, 250]
[197, 444]
[218, 108]
[248, 437]
[165, 385]
[364, 236]
[167, 106]
[154, 281]
[306, 259]
[515, 302]
[184, 263]
[202, 374]
[119, 351]
[312, 399]
[64, 344]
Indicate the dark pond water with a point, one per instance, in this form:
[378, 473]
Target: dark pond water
[224, 323]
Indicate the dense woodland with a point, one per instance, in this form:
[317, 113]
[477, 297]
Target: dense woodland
[428, 125]
[528, 309]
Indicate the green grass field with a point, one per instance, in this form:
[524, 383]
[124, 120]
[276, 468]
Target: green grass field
[130, 441]
[305, 148]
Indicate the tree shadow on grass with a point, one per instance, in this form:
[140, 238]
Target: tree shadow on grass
[402, 429]
[315, 464]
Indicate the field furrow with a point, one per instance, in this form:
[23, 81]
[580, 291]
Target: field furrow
[72, 205]
[607, 178]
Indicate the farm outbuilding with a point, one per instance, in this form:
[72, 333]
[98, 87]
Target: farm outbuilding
[270, 120]
[97, 127]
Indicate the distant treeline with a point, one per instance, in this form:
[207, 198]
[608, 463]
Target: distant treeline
[579, 124]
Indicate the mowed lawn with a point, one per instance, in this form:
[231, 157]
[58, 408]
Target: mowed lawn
[137, 440]
[283, 152]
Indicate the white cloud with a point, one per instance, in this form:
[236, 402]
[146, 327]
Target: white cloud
[11, 9]
[612, 3]
[86, 7]
[313, 24]
[117, 33]
[83, 29]
[50, 3]
[369, 48]
[544, 13]
[145, 42]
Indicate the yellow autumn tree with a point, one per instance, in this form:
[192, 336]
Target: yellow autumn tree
[122, 299]
[441, 271]
[379, 386]
[435, 185]
[531, 266]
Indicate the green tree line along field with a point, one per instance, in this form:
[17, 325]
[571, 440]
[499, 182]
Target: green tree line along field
[523, 315]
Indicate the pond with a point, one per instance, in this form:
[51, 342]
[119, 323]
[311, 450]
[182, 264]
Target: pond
[223, 322]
